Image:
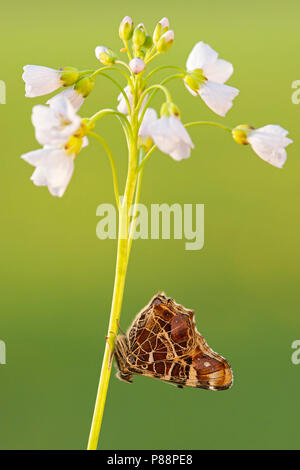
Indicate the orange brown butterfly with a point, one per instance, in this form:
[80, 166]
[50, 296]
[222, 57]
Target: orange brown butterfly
[163, 343]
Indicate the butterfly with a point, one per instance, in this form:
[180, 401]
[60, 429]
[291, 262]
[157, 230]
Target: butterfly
[163, 343]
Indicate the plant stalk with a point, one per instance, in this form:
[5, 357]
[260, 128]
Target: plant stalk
[119, 284]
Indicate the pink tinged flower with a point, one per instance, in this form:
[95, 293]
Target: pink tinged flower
[40, 80]
[203, 62]
[76, 99]
[171, 137]
[269, 143]
[137, 65]
[56, 123]
[99, 50]
[53, 168]
[166, 41]
[164, 22]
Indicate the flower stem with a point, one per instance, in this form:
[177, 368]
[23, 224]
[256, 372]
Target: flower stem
[112, 164]
[208, 123]
[120, 275]
[121, 268]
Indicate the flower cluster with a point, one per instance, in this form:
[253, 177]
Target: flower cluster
[62, 133]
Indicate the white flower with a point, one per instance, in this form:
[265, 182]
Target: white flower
[203, 60]
[40, 80]
[269, 143]
[137, 65]
[54, 168]
[149, 119]
[76, 99]
[171, 137]
[122, 106]
[56, 123]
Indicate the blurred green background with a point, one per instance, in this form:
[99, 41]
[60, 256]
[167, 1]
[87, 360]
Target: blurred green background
[57, 277]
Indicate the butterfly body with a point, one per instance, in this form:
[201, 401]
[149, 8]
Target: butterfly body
[163, 343]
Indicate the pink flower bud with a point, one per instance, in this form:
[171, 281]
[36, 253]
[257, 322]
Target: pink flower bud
[137, 65]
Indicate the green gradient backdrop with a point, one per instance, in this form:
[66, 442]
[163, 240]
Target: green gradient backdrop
[57, 277]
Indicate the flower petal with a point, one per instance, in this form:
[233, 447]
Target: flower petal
[273, 129]
[34, 157]
[54, 168]
[76, 99]
[39, 177]
[171, 137]
[218, 97]
[269, 143]
[40, 80]
[149, 118]
[202, 56]
[58, 168]
[219, 71]
[56, 123]
[122, 106]
[181, 152]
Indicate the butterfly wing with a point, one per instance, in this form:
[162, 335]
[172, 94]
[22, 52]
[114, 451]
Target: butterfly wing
[163, 331]
[163, 343]
[201, 368]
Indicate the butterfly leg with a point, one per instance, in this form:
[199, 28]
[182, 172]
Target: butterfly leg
[121, 328]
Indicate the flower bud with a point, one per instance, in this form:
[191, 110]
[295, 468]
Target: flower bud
[140, 53]
[105, 56]
[240, 133]
[165, 41]
[148, 41]
[137, 65]
[161, 28]
[69, 75]
[169, 109]
[139, 35]
[84, 86]
[126, 28]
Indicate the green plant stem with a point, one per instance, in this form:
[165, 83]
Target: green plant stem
[208, 123]
[162, 67]
[112, 164]
[107, 112]
[154, 87]
[107, 68]
[127, 49]
[119, 284]
[119, 87]
[147, 156]
[155, 90]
